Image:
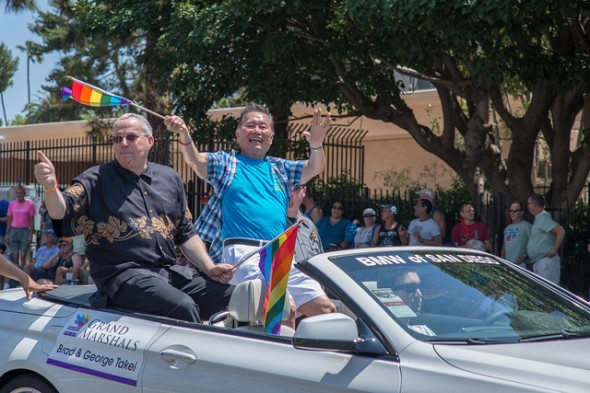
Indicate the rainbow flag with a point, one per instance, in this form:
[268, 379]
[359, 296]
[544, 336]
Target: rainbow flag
[87, 94]
[275, 264]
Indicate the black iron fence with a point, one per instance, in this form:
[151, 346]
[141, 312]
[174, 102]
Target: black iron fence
[345, 159]
[494, 213]
[342, 146]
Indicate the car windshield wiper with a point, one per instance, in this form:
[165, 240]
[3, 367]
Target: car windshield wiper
[566, 333]
[472, 340]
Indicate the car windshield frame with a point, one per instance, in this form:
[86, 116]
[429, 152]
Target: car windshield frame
[467, 297]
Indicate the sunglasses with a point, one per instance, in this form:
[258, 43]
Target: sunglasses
[338, 207]
[515, 210]
[409, 287]
[130, 138]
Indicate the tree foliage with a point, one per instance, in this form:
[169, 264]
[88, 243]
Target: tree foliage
[475, 53]
[351, 52]
[8, 66]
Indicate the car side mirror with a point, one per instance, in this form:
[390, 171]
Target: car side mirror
[326, 332]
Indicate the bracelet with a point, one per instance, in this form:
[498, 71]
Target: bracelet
[54, 188]
[316, 148]
[190, 141]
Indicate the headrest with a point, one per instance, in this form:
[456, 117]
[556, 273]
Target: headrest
[247, 301]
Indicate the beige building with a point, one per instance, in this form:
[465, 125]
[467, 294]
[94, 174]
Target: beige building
[389, 150]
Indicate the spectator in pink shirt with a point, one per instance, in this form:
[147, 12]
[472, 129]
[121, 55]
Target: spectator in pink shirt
[19, 227]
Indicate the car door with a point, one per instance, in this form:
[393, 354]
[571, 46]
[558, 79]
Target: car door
[211, 359]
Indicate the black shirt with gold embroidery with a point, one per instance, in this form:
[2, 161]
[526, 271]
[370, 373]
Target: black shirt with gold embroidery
[130, 223]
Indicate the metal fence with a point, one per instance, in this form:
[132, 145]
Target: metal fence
[494, 213]
[345, 158]
[342, 146]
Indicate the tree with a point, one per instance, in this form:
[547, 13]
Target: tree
[90, 56]
[8, 66]
[19, 5]
[476, 54]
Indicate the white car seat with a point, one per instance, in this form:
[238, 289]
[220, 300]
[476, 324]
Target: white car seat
[246, 303]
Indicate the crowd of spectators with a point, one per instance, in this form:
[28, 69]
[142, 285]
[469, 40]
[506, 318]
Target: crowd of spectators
[534, 246]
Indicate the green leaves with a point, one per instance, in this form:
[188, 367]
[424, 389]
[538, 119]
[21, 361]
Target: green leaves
[8, 66]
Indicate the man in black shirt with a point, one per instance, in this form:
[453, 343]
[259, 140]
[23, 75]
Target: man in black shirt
[132, 213]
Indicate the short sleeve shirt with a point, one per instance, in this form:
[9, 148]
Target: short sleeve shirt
[516, 237]
[332, 233]
[542, 239]
[21, 212]
[428, 230]
[43, 254]
[477, 230]
[130, 223]
[3, 211]
[221, 170]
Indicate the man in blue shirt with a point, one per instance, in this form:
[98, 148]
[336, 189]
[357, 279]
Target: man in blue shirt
[3, 218]
[249, 206]
[132, 214]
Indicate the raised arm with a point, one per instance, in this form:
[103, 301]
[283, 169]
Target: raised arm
[45, 175]
[196, 160]
[317, 161]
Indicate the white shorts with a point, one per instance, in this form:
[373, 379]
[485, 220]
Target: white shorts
[301, 287]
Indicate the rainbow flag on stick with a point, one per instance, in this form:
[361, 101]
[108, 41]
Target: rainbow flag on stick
[87, 94]
[275, 264]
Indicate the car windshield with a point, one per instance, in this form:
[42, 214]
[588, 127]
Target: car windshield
[458, 296]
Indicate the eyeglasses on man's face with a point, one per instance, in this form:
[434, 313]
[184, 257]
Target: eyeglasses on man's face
[130, 138]
[369, 215]
[338, 207]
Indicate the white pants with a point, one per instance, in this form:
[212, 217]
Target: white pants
[549, 267]
[301, 287]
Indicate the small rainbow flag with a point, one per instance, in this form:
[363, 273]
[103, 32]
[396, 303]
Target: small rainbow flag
[275, 264]
[87, 94]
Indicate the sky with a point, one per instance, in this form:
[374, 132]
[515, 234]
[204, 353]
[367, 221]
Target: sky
[14, 31]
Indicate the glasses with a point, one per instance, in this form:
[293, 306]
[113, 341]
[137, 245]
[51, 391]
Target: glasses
[64, 244]
[338, 207]
[409, 287]
[369, 215]
[130, 138]
[515, 210]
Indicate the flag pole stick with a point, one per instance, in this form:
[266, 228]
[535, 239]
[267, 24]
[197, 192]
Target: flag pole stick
[147, 110]
[111, 94]
[247, 256]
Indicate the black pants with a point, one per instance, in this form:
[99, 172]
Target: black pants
[189, 300]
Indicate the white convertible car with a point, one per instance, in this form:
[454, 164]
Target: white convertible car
[410, 320]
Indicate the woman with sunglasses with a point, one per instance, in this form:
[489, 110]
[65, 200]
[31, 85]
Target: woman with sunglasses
[368, 234]
[332, 229]
[390, 230]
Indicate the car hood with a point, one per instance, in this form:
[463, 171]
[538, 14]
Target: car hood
[554, 365]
